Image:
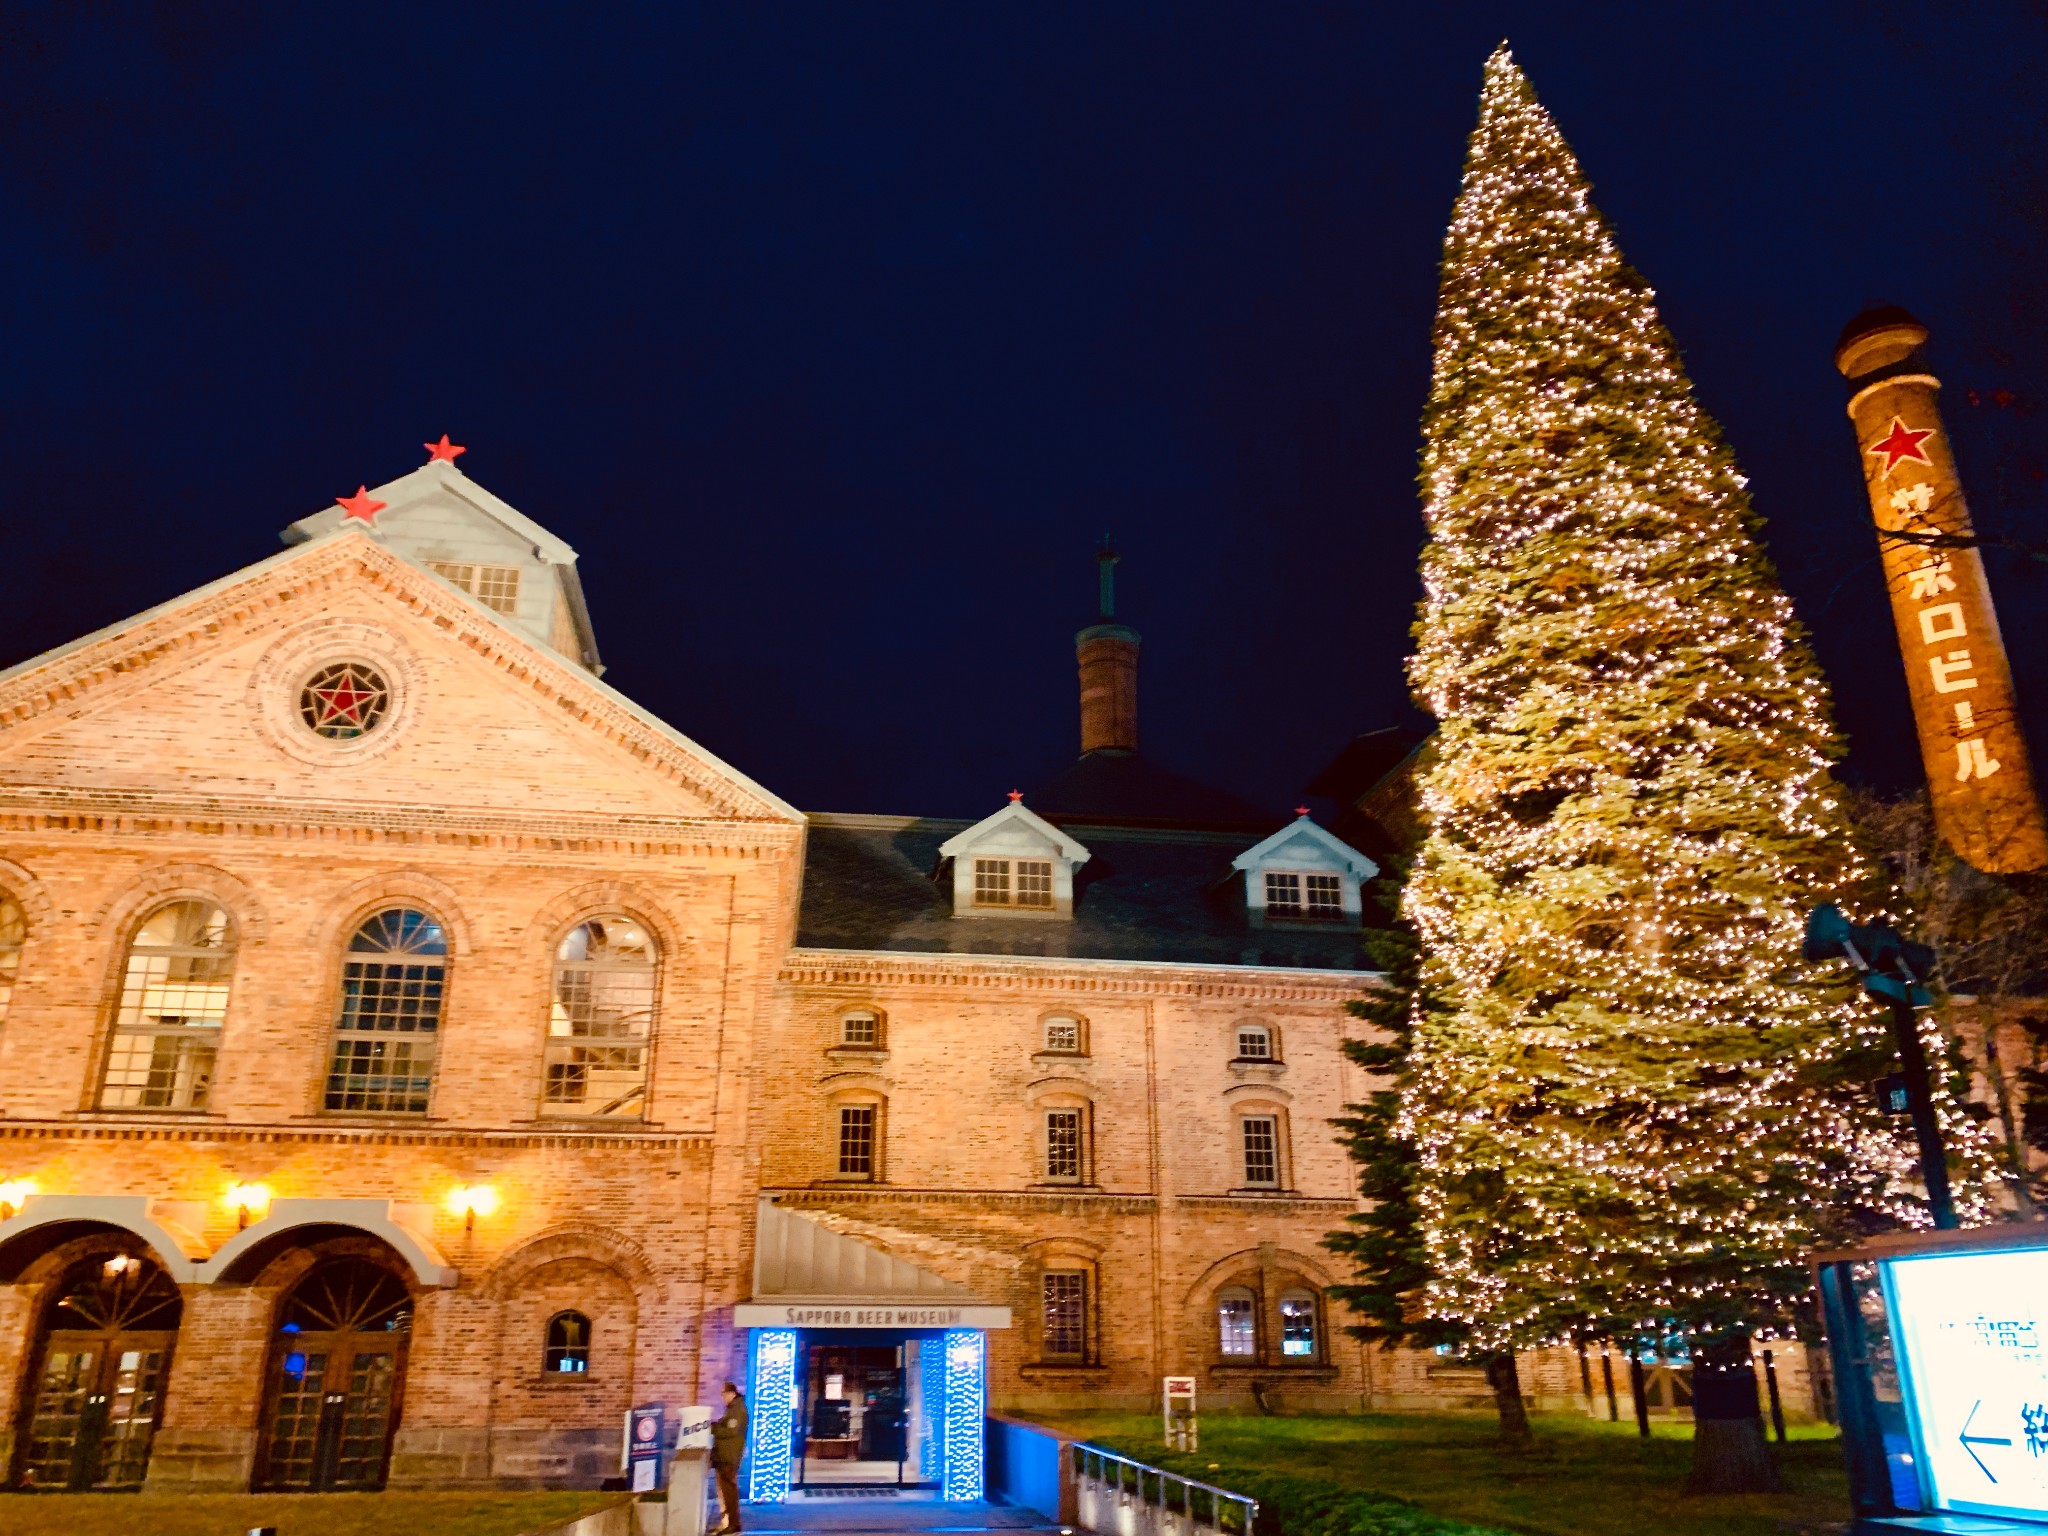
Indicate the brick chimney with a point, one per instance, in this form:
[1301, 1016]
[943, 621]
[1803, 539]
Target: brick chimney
[1108, 653]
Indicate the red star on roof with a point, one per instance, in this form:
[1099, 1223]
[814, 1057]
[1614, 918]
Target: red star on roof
[361, 506]
[444, 451]
[1902, 442]
[1016, 794]
[1301, 810]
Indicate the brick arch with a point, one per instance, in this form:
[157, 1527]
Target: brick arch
[587, 1243]
[29, 891]
[346, 911]
[167, 882]
[1041, 1248]
[597, 897]
[1231, 1266]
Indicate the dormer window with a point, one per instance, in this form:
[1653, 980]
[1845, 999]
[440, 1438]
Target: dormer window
[1013, 865]
[1302, 874]
[1292, 893]
[495, 586]
[1013, 883]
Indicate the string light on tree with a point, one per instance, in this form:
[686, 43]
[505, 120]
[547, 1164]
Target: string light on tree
[1633, 1102]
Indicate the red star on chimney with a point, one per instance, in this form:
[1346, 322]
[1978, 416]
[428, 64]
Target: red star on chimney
[1902, 442]
[361, 506]
[443, 451]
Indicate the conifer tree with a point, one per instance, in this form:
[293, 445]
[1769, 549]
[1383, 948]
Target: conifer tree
[1634, 1103]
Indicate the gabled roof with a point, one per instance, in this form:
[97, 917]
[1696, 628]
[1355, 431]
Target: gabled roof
[1018, 814]
[61, 683]
[439, 476]
[1301, 829]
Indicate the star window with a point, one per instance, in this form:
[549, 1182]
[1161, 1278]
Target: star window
[343, 701]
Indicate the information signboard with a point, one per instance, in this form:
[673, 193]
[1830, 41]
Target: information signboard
[1972, 1334]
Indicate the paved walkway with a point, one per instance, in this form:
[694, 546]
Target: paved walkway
[900, 1512]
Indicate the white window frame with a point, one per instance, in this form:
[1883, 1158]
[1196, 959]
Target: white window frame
[1270, 1043]
[1080, 1027]
[1237, 1323]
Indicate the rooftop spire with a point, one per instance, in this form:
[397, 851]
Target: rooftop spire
[1105, 580]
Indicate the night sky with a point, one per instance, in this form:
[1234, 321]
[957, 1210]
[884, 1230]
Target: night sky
[835, 336]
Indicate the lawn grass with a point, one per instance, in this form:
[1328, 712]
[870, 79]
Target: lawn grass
[294, 1514]
[1586, 1477]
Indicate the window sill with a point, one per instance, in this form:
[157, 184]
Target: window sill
[1262, 1192]
[589, 1123]
[1050, 1058]
[1268, 1063]
[1062, 1186]
[858, 1052]
[1027, 914]
[367, 1117]
[849, 1181]
[1307, 1370]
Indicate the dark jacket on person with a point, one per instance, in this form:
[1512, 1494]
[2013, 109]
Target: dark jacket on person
[729, 1434]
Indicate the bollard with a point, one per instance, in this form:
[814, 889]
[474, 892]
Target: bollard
[686, 1477]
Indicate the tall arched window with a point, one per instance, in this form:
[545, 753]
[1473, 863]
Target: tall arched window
[174, 995]
[600, 1020]
[1297, 1325]
[567, 1352]
[13, 931]
[391, 986]
[1237, 1323]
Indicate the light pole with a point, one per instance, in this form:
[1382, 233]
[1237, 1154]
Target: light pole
[1893, 968]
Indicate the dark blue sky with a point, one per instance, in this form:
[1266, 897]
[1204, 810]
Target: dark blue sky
[833, 336]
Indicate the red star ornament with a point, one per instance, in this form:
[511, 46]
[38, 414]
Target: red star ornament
[362, 506]
[341, 700]
[1901, 443]
[443, 451]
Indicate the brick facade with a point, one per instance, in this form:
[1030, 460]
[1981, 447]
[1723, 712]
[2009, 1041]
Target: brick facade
[510, 797]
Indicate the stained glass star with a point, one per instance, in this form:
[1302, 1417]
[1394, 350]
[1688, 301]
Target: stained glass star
[341, 701]
[1901, 443]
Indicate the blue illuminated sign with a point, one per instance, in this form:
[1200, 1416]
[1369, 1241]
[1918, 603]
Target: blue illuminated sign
[771, 1405]
[1972, 1336]
[966, 1353]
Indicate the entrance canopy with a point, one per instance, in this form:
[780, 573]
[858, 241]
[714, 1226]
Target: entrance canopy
[808, 1276]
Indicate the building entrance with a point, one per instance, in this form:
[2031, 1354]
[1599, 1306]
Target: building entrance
[861, 1416]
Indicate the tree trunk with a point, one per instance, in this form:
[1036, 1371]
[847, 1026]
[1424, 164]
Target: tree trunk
[1506, 1382]
[1729, 1452]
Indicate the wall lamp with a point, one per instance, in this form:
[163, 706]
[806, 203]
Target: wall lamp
[13, 1195]
[249, 1202]
[471, 1201]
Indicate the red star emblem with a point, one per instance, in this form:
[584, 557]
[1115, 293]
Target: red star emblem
[341, 701]
[362, 505]
[1902, 442]
[444, 451]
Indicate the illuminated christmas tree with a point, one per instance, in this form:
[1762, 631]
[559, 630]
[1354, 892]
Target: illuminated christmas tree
[1635, 1105]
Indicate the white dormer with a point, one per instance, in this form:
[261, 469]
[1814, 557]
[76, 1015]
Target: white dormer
[439, 518]
[1014, 864]
[1302, 874]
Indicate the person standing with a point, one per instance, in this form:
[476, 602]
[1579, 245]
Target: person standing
[728, 1448]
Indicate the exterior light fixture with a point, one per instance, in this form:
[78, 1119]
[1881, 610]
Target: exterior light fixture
[13, 1195]
[249, 1202]
[117, 1266]
[471, 1201]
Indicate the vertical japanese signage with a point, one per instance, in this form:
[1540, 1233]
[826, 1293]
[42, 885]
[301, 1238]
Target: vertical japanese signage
[1978, 776]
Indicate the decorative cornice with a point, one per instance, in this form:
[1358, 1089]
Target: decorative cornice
[799, 1196]
[1066, 976]
[128, 814]
[209, 1130]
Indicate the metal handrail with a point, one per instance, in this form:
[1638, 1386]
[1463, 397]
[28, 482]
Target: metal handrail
[1156, 1486]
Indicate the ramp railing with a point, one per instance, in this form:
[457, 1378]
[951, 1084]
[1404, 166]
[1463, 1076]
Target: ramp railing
[1117, 1496]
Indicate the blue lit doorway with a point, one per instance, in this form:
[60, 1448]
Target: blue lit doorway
[841, 1410]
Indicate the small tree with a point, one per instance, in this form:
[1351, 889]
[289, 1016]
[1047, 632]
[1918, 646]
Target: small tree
[1384, 1243]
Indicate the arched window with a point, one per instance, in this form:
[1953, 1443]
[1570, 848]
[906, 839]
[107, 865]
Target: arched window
[391, 986]
[600, 1021]
[13, 932]
[1297, 1325]
[568, 1347]
[337, 1378]
[861, 1028]
[174, 995]
[1237, 1322]
[1064, 1035]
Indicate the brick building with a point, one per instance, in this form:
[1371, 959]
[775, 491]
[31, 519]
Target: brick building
[405, 1035]
[416, 1054]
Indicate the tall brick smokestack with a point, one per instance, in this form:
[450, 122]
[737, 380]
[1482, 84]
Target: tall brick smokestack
[1108, 653]
[1978, 776]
